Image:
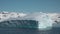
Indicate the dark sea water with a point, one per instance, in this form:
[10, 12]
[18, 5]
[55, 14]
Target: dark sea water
[28, 31]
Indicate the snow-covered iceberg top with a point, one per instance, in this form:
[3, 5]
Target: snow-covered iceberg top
[10, 15]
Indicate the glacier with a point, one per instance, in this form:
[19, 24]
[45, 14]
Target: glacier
[45, 20]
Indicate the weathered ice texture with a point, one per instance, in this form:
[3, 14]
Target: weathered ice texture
[20, 23]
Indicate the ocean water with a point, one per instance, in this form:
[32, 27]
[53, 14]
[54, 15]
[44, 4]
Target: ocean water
[28, 31]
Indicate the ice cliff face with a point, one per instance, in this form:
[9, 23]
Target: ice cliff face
[19, 24]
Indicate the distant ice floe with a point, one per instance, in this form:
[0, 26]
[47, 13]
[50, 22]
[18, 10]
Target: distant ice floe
[45, 19]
